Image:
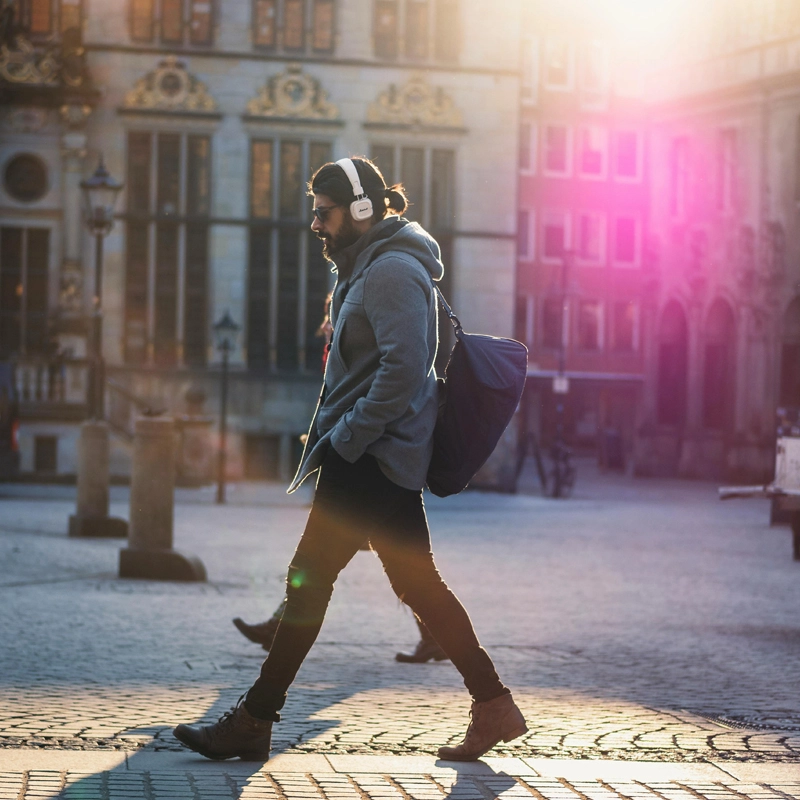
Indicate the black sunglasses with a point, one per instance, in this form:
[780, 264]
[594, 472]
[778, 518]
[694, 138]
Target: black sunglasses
[321, 212]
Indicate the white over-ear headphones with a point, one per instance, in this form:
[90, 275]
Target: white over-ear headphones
[361, 207]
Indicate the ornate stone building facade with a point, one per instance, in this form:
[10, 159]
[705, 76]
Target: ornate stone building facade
[725, 346]
[214, 113]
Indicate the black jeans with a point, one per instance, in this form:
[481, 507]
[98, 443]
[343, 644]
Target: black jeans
[353, 502]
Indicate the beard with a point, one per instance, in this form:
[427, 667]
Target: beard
[346, 236]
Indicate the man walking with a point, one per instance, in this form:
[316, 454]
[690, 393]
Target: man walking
[371, 440]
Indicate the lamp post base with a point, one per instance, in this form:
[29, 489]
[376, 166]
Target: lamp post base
[97, 527]
[160, 565]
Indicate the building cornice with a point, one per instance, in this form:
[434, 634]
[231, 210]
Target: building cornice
[248, 55]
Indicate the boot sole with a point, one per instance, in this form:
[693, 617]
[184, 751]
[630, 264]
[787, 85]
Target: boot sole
[506, 737]
[215, 757]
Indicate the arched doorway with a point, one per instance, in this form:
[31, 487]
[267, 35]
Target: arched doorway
[719, 367]
[673, 340]
[790, 356]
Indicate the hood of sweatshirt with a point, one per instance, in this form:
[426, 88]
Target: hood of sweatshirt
[397, 235]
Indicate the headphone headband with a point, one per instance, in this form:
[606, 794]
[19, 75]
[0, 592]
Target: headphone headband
[361, 207]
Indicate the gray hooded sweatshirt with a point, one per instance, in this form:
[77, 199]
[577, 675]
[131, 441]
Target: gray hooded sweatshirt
[380, 393]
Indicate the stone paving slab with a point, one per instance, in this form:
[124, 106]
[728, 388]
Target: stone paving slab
[226, 784]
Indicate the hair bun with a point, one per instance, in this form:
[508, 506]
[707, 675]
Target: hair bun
[396, 198]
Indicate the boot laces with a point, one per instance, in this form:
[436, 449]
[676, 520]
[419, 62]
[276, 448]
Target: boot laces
[226, 720]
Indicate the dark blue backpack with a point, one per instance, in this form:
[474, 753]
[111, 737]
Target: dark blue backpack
[482, 386]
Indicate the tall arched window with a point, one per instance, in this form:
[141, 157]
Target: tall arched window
[672, 364]
[719, 388]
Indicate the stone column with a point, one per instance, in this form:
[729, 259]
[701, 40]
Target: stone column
[91, 513]
[150, 554]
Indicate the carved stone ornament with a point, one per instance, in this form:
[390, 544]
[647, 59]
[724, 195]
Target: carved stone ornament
[25, 119]
[170, 87]
[416, 103]
[292, 95]
[74, 115]
[24, 64]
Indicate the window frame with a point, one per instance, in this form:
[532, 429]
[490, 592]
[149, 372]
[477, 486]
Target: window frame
[544, 220]
[602, 175]
[152, 219]
[591, 97]
[614, 345]
[600, 306]
[433, 51]
[530, 234]
[530, 70]
[602, 221]
[532, 147]
[568, 148]
[637, 246]
[569, 84]
[156, 25]
[639, 137]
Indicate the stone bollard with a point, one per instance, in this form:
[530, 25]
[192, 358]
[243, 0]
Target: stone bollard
[91, 514]
[149, 553]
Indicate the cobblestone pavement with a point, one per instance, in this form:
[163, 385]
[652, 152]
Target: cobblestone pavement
[639, 621]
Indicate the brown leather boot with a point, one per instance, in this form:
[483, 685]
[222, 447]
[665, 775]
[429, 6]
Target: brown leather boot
[236, 734]
[491, 721]
[423, 652]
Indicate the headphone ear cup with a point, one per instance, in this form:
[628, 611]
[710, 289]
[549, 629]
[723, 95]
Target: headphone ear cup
[361, 209]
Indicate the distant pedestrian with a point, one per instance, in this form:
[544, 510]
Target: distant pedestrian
[371, 440]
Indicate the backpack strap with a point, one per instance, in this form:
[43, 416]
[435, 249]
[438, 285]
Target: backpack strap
[449, 311]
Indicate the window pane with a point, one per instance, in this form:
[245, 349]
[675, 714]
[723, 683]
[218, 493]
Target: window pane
[291, 186]
[166, 299]
[525, 146]
[139, 172]
[136, 293]
[447, 30]
[593, 150]
[258, 292]
[169, 166]
[142, 20]
[319, 153]
[195, 324]
[551, 322]
[261, 188]
[627, 156]
[590, 242]
[523, 234]
[41, 19]
[383, 156]
[625, 249]
[417, 29]
[70, 14]
[294, 24]
[595, 73]
[200, 22]
[172, 20]
[322, 35]
[10, 291]
[554, 238]
[412, 172]
[316, 293]
[35, 296]
[288, 297]
[557, 64]
[624, 317]
[556, 143]
[264, 13]
[443, 215]
[198, 178]
[589, 325]
[386, 28]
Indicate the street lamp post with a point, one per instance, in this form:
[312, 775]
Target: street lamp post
[100, 196]
[100, 193]
[225, 331]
